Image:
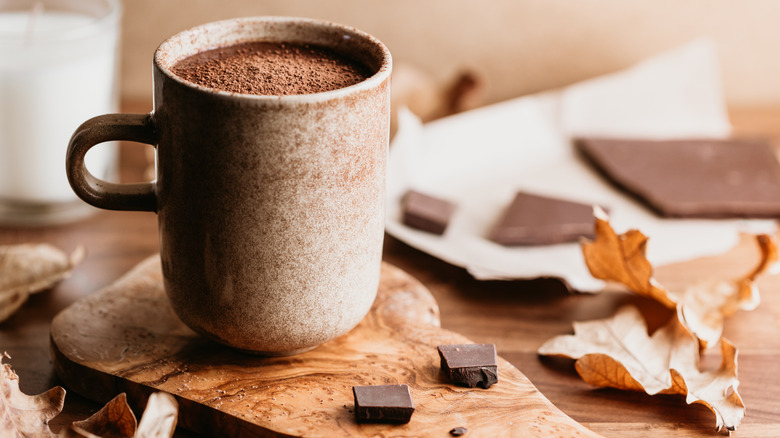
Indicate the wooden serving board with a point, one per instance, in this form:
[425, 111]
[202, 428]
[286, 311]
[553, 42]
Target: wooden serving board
[126, 338]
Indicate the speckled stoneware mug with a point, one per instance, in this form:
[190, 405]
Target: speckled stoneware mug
[270, 208]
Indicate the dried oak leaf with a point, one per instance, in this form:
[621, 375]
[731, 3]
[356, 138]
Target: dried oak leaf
[23, 415]
[29, 268]
[621, 258]
[702, 307]
[116, 419]
[617, 352]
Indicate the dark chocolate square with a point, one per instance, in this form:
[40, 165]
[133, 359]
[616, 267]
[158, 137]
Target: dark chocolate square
[426, 212]
[470, 364]
[383, 404]
[540, 220]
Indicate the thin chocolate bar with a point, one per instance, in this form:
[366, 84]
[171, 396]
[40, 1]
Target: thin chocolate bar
[696, 178]
[470, 364]
[426, 212]
[540, 220]
[383, 404]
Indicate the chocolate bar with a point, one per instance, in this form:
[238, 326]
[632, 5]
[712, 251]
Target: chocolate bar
[470, 364]
[383, 404]
[426, 212]
[692, 178]
[540, 220]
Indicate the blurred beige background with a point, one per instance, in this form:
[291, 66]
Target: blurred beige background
[515, 46]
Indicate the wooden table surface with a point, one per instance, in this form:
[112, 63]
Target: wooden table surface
[517, 316]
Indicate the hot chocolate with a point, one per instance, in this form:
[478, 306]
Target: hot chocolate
[271, 68]
[270, 208]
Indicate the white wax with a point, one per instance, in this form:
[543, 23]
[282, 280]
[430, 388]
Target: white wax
[53, 77]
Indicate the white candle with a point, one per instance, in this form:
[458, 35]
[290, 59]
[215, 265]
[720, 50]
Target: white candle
[57, 69]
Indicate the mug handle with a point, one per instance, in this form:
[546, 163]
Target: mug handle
[103, 194]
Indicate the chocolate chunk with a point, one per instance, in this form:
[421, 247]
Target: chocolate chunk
[540, 220]
[426, 212]
[692, 178]
[458, 431]
[383, 404]
[470, 364]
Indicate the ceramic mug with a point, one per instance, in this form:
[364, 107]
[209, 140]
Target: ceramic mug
[270, 208]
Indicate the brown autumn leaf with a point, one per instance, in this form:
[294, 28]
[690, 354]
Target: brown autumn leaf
[29, 268]
[704, 307]
[23, 415]
[116, 419]
[621, 258]
[701, 307]
[617, 352]
[429, 98]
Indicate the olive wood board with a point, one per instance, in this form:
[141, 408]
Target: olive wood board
[126, 338]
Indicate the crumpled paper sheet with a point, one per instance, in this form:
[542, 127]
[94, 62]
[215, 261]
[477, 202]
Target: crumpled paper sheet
[481, 158]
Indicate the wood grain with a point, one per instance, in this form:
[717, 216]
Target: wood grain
[517, 316]
[126, 338]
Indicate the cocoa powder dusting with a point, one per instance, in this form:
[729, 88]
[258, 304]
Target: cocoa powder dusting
[274, 69]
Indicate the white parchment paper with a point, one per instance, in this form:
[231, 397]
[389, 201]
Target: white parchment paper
[481, 158]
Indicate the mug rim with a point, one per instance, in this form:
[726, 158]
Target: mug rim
[163, 64]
